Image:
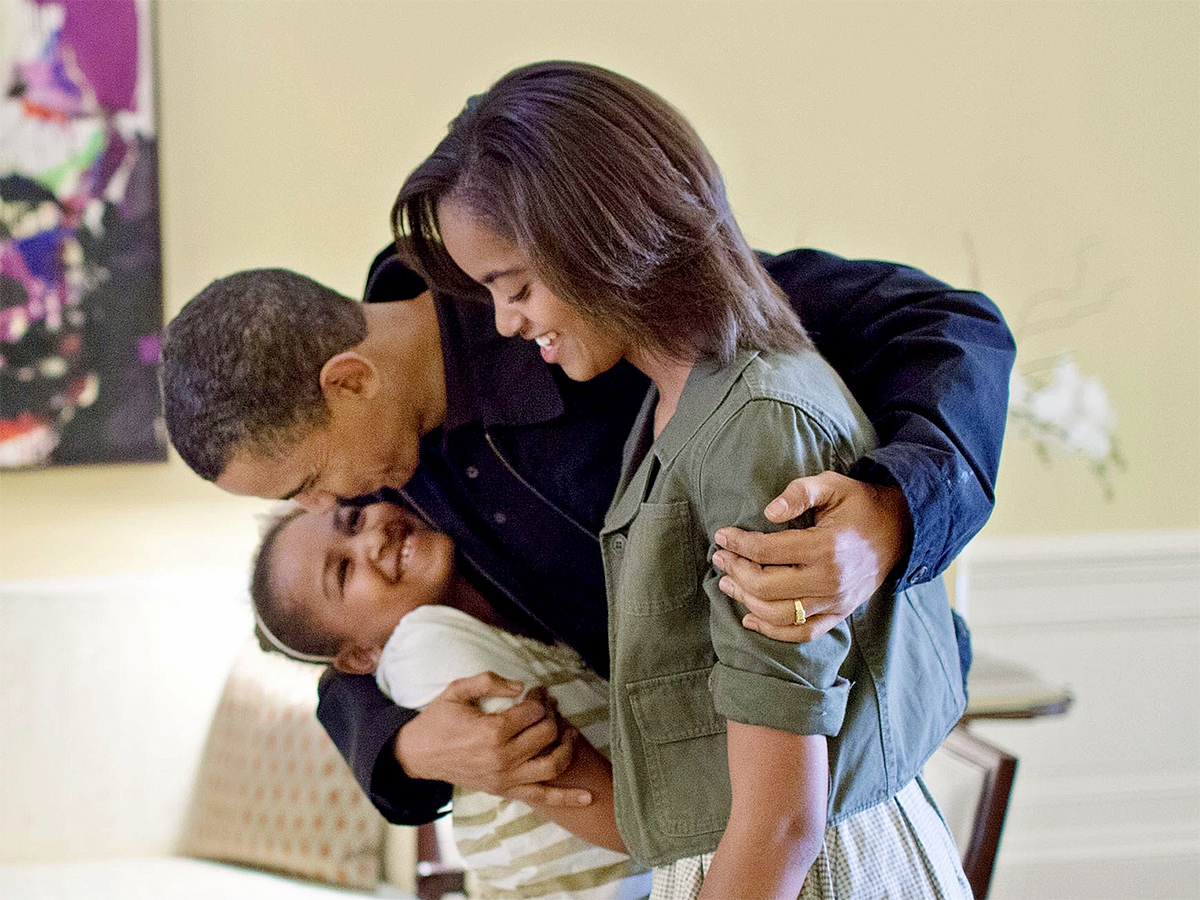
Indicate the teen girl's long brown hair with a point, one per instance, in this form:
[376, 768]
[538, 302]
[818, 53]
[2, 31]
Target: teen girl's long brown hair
[616, 202]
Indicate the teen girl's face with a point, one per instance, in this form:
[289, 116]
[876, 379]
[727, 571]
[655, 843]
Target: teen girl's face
[524, 306]
[356, 571]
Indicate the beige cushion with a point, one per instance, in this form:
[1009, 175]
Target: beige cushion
[272, 790]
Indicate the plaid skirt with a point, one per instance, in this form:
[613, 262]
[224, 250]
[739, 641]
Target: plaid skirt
[899, 849]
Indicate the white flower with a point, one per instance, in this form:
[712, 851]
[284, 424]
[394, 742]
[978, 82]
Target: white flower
[1066, 413]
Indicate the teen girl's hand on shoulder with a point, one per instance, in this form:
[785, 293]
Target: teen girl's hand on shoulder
[508, 753]
[861, 532]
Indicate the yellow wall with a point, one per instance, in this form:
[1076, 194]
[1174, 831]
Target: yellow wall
[1061, 138]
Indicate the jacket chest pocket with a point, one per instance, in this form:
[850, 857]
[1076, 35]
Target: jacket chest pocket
[684, 756]
[658, 568]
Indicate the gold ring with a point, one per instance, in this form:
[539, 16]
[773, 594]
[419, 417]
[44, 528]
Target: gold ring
[800, 614]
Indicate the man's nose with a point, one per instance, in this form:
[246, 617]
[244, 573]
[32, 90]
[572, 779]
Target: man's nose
[508, 320]
[317, 500]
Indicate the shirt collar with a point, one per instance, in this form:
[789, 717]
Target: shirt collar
[491, 379]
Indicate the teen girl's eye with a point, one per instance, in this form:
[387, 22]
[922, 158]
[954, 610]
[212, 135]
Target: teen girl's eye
[520, 296]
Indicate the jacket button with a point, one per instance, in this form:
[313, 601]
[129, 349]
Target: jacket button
[472, 472]
[618, 543]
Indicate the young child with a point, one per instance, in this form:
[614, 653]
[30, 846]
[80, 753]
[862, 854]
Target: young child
[373, 589]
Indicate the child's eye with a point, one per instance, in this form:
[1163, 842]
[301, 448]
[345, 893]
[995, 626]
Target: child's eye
[349, 519]
[343, 573]
[520, 296]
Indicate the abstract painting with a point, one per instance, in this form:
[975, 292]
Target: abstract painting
[80, 263]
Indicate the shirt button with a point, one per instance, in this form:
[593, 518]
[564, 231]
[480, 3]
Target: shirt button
[499, 518]
[472, 472]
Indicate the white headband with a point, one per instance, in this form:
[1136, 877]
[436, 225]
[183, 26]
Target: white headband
[284, 648]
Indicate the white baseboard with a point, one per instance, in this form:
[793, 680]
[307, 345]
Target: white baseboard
[1107, 797]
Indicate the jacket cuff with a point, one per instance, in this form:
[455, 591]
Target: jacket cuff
[928, 492]
[404, 800]
[782, 705]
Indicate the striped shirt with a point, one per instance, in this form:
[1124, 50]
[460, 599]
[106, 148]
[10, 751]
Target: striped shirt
[511, 851]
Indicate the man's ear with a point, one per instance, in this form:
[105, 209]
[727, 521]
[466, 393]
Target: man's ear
[349, 373]
[355, 660]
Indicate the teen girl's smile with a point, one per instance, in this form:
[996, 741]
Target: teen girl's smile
[524, 306]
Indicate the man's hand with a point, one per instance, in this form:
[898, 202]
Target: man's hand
[860, 533]
[506, 753]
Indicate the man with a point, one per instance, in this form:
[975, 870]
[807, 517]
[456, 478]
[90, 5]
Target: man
[276, 387]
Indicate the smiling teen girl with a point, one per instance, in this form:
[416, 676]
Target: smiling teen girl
[590, 213]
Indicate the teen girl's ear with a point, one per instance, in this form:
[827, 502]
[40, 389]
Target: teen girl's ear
[355, 660]
[349, 374]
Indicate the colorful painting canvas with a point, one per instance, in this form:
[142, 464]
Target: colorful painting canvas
[80, 264]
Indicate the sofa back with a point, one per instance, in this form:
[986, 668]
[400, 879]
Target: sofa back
[107, 688]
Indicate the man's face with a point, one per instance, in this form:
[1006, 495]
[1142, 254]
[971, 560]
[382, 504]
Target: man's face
[356, 453]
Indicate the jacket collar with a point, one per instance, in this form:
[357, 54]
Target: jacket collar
[706, 387]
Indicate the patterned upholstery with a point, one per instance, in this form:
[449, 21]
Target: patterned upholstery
[272, 791]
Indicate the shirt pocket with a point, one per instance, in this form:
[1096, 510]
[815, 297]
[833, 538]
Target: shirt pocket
[684, 753]
[658, 567]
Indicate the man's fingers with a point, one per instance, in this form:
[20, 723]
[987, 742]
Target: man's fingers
[544, 795]
[475, 688]
[747, 574]
[813, 627]
[793, 545]
[745, 580]
[550, 763]
[801, 495]
[523, 745]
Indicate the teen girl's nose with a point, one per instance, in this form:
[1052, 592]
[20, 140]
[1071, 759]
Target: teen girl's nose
[508, 318]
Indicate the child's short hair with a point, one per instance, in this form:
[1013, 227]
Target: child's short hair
[278, 624]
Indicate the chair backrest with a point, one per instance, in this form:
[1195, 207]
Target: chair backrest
[440, 870]
[972, 780]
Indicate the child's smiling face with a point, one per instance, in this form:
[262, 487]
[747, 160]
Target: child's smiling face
[355, 572]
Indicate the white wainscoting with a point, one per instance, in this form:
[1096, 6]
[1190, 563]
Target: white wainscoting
[1107, 797]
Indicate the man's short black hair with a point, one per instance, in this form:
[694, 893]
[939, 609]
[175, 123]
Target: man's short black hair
[242, 364]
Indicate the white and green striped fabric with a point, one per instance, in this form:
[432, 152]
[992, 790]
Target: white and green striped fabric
[510, 851]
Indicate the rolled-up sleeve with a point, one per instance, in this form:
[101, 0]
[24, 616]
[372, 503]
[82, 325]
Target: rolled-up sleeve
[756, 680]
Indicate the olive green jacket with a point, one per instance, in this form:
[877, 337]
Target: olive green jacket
[886, 685]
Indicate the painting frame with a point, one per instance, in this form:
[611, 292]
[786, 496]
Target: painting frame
[81, 288]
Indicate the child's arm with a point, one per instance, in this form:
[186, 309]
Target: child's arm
[411, 675]
[596, 823]
[776, 826]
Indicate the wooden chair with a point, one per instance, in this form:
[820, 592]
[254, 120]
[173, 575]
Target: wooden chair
[972, 780]
[439, 870]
